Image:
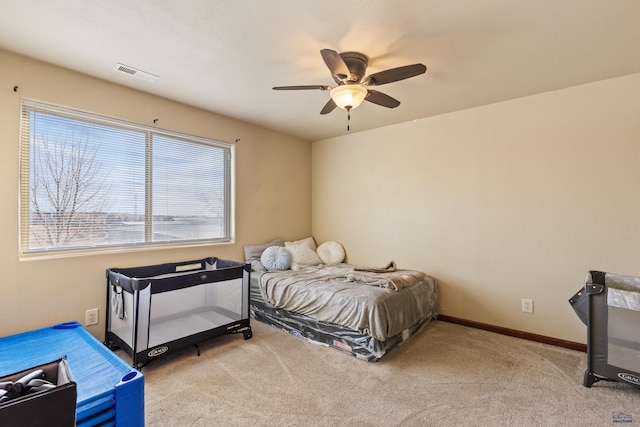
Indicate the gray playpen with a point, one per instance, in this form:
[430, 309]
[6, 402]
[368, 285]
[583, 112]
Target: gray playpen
[609, 304]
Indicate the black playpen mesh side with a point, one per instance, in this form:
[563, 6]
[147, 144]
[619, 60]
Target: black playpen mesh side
[609, 304]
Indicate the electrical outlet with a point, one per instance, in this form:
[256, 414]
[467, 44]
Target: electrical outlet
[91, 317]
[527, 305]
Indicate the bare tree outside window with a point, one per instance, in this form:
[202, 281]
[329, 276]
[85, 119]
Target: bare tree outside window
[69, 194]
[214, 202]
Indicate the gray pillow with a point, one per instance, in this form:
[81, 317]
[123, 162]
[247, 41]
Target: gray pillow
[252, 253]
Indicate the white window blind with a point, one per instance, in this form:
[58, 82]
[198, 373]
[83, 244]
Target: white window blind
[89, 182]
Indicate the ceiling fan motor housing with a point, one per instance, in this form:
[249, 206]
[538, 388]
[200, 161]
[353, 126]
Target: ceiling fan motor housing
[357, 64]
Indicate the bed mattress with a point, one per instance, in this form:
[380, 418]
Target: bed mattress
[319, 304]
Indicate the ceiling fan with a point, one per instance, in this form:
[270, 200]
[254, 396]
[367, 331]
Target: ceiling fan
[348, 71]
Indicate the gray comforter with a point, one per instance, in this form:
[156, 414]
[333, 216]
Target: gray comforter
[324, 293]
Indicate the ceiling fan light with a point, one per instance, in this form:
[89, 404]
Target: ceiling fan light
[348, 96]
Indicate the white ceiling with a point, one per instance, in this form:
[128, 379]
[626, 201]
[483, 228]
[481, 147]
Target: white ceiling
[226, 55]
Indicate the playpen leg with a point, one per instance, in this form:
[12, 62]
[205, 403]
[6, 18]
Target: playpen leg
[589, 379]
[247, 333]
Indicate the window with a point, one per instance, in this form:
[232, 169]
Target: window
[89, 182]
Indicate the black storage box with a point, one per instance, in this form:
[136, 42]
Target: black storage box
[54, 406]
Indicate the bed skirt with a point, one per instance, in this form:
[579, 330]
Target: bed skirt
[329, 334]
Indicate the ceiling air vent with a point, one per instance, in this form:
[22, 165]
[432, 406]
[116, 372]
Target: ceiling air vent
[135, 72]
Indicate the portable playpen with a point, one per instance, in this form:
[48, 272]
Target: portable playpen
[153, 310]
[609, 304]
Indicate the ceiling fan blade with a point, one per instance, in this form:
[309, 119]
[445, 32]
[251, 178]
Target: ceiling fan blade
[336, 65]
[308, 87]
[328, 107]
[381, 99]
[394, 74]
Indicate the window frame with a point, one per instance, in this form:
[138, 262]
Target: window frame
[228, 180]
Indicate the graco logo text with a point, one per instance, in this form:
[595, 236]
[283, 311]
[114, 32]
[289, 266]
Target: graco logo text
[158, 351]
[629, 378]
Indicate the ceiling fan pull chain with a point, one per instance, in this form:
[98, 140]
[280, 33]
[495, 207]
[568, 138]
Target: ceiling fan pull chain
[348, 120]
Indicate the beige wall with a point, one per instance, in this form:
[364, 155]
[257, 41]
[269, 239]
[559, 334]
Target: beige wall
[508, 201]
[273, 192]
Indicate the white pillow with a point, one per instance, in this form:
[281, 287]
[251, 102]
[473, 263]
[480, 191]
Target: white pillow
[307, 241]
[276, 258]
[302, 256]
[331, 253]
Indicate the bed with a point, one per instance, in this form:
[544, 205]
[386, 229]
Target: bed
[363, 311]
